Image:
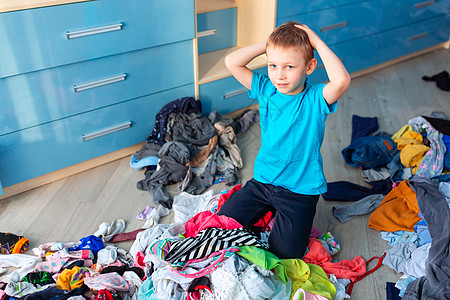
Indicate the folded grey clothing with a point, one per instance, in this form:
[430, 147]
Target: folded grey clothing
[148, 149]
[345, 213]
[370, 175]
[240, 124]
[193, 128]
[227, 140]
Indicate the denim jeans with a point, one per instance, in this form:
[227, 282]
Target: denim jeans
[370, 152]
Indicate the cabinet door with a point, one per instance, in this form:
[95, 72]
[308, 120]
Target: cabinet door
[36, 39]
[225, 95]
[39, 150]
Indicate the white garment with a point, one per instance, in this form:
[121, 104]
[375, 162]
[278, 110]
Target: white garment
[24, 262]
[147, 237]
[185, 205]
[170, 285]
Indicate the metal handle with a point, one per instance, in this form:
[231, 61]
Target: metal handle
[419, 36]
[423, 4]
[334, 26]
[92, 31]
[234, 93]
[98, 83]
[90, 136]
[206, 33]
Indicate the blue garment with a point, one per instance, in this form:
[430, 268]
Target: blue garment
[363, 126]
[292, 132]
[370, 152]
[90, 242]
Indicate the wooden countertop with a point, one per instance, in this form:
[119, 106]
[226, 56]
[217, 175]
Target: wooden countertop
[12, 5]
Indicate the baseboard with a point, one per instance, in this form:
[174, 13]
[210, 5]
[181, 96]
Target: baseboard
[68, 171]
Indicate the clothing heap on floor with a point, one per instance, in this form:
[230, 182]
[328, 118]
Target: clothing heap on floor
[409, 200]
[202, 255]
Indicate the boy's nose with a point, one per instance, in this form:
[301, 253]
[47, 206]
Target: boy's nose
[280, 74]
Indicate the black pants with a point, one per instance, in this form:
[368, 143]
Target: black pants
[293, 219]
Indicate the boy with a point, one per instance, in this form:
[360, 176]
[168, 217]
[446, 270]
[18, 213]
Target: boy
[288, 173]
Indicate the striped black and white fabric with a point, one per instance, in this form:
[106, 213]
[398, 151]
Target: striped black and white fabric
[209, 241]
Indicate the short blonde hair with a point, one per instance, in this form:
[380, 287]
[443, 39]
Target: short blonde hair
[289, 36]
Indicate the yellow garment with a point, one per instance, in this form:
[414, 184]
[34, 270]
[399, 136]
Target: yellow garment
[309, 277]
[401, 132]
[409, 138]
[411, 156]
[70, 279]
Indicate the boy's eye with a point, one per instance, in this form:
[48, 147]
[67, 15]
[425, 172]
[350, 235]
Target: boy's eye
[272, 66]
[289, 67]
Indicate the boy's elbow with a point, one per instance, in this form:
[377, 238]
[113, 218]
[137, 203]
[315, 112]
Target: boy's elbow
[228, 61]
[344, 84]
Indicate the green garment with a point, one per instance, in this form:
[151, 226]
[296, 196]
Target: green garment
[309, 277]
[265, 260]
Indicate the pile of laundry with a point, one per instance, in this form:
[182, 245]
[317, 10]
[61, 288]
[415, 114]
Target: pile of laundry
[202, 255]
[409, 200]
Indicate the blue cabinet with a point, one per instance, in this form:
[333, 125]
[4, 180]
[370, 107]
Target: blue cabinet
[47, 37]
[82, 80]
[216, 30]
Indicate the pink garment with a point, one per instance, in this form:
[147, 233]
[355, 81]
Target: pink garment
[108, 281]
[348, 268]
[315, 233]
[139, 260]
[307, 296]
[55, 265]
[207, 219]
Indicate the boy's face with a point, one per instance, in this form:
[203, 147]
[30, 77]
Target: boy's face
[287, 69]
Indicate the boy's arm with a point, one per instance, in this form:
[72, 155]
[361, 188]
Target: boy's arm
[337, 74]
[237, 62]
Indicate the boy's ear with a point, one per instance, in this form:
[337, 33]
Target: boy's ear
[311, 66]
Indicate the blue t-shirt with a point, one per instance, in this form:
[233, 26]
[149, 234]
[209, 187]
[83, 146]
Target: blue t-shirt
[292, 132]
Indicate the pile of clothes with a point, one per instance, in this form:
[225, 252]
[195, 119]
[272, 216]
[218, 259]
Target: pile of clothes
[409, 200]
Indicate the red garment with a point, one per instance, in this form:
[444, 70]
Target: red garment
[263, 222]
[348, 268]
[103, 295]
[206, 219]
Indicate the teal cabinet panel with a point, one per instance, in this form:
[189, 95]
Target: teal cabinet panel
[342, 23]
[34, 98]
[418, 36]
[225, 95]
[287, 8]
[216, 30]
[402, 12]
[1, 189]
[42, 149]
[46, 37]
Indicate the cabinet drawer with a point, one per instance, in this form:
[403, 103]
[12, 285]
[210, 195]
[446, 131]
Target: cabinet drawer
[342, 23]
[216, 30]
[402, 12]
[46, 37]
[38, 97]
[42, 149]
[225, 95]
[287, 8]
[415, 37]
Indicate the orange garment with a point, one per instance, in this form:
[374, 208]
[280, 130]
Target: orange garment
[398, 210]
[70, 279]
[347, 268]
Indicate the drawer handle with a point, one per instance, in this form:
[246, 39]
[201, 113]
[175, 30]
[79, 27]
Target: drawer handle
[206, 33]
[419, 36]
[92, 31]
[334, 26]
[321, 66]
[234, 93]
[90, 136]
[423, 4]
[98, 83]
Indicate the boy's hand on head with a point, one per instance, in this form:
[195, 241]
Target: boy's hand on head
[313, 37]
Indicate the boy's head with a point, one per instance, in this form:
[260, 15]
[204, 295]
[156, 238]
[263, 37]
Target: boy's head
[288, 36]
[290, 58]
